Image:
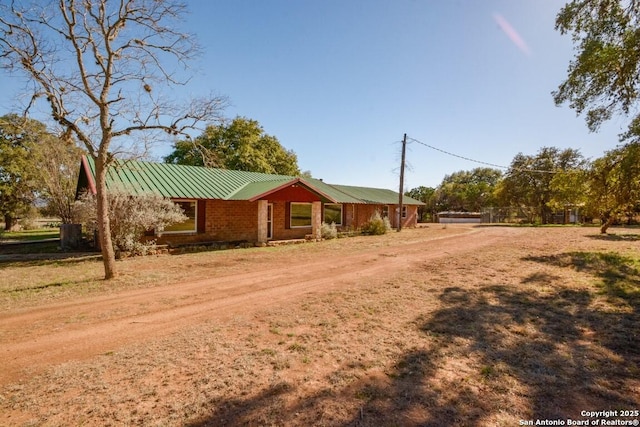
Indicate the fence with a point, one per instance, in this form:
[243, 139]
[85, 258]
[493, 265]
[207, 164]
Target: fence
[529, 215]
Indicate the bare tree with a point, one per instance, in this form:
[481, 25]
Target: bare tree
[57, 162]
[103, 66]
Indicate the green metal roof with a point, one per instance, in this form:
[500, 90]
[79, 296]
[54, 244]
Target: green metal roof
[180, 181]
[331, 190]
[195, 182]
[378, 196]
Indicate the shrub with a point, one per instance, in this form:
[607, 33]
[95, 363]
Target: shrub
[29, 220]
[130, 217]
[329, 231]
[376, 225]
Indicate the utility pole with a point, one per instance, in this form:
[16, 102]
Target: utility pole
[400, 204]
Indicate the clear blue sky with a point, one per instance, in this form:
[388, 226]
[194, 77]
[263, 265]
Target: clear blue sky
[340, 82]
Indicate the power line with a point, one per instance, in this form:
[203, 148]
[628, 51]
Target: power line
[478, 161]
[456, 155]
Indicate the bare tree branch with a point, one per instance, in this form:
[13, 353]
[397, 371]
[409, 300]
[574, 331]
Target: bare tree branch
[105, 70]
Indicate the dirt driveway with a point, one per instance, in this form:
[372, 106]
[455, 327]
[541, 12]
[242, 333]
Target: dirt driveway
[435, 326]
[32, 339]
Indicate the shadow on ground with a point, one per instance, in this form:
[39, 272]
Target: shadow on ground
[616, 237]
[60, 258]
[494, 354]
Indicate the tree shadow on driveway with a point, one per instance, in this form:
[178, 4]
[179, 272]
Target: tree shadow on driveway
[562, 348]
[489, 355]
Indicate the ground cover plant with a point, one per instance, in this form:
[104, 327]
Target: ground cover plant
[435, 326]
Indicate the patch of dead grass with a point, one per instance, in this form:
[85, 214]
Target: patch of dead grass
[531, 329]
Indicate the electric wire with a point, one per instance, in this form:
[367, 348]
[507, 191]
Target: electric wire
[456, 155]
[481, 162]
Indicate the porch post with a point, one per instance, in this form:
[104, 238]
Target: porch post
[262, 221]
[316, 220]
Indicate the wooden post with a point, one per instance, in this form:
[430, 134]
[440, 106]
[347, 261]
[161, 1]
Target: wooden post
[400, 204]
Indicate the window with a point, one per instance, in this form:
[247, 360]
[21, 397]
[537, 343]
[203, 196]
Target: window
[333, 213]
[404, 211]
[189, 226]
[300, 215]
[385, 211]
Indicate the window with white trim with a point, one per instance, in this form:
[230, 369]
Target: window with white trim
[404, 211]
[300, 215]
[333, 213]
[189, 207]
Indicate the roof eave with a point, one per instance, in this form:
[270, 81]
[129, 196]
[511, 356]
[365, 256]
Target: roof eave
[86, 170]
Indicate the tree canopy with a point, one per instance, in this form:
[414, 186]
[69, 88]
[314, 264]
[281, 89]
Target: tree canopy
[427, 196]
[241, 144]
[534, 183]
[613, 189]
[468, 191]
[36, 164]
[19, 184]
[604, 76]
[603, 81]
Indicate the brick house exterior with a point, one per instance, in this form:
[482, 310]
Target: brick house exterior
[232, 206]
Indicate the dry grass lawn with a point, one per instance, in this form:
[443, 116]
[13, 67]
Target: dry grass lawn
[538, 323]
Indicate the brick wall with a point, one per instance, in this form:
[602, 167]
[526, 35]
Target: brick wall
[412, 217]
[227, 221]
[232, 220]
[356, 215]
[279, 224]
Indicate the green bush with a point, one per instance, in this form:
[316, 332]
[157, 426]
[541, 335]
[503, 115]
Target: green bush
[376, 225]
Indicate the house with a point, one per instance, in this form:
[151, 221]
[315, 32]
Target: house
[228, 205]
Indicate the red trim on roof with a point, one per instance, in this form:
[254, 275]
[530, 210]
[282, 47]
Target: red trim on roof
[87, 171]
[312, 188]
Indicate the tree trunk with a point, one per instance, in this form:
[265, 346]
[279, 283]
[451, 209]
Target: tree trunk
[104, 225]
[9, 222]
[606, 224]
[544, 209]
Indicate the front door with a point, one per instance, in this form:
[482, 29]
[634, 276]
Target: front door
[270, 221]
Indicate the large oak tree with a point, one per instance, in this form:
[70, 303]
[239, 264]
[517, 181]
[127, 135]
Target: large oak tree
[613, 188]
[604, 77]
[104, 68]
[19, 183]
[241, 144]
[36, 164]
[603, 81]
[535, 183]
[468, 191]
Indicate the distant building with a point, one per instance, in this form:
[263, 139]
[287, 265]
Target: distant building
[459, 217]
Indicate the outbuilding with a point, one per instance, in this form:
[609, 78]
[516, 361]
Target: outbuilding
[459, 217]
